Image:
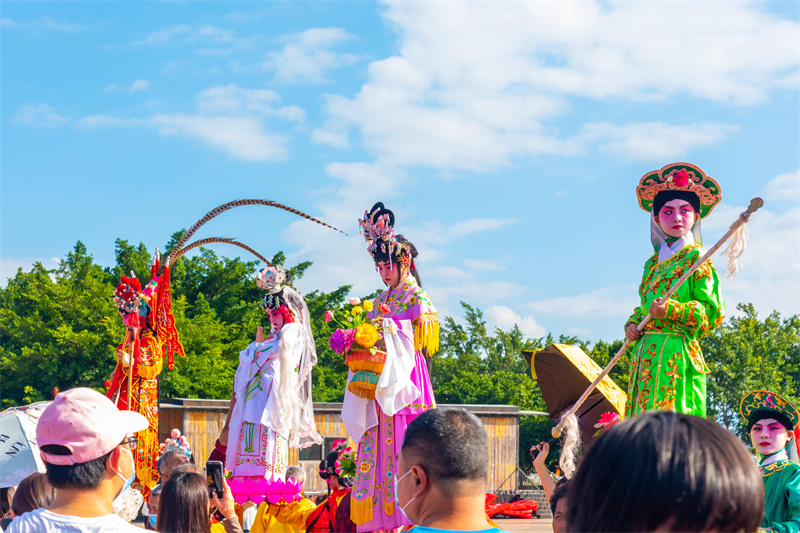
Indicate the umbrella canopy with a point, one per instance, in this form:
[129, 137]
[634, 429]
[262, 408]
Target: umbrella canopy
[19, 453]
[564, 372]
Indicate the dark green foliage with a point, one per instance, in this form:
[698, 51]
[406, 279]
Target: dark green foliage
[58, 328]
[746, 354]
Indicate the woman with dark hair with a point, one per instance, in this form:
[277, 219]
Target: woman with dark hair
[664, 471]
[33, 492]
[668, 372]
[184, 506]
[403, 391]
[271, 407]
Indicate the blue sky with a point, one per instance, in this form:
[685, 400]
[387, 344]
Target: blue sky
[507, 137]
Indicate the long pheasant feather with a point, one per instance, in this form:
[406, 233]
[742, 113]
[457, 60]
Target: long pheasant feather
[238, 203]
[218, 240]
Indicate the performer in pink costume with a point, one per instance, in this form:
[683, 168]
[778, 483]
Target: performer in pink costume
[403, 391]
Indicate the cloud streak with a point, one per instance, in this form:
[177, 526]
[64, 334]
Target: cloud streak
[229, 118]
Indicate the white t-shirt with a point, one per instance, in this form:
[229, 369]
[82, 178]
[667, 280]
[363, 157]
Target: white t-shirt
[43, 520]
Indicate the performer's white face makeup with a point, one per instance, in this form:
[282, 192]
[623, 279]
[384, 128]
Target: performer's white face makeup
[389, 273]
[677, 217]
[276, 317]
[769, 436]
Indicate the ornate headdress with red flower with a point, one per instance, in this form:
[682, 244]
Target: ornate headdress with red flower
[340, 461]
[679, 179]
[377, 226]
[127, 296]
[273, 280]
[760, 404]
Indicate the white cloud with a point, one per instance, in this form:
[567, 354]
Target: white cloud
[770, 274]
[164, 35]
[499, 316]
[186, 33]
[241, 137]
[434, 232]
[613, 301]
[331, 137]
[139, 85]
[307, 56]
[481, 264]
[234, 99]
[44, 23]
[136, 86]
[39, 116]
[654, 141]
[473, 86]
[10, 265]
[784, 188]
[581, 333]
[230, 118]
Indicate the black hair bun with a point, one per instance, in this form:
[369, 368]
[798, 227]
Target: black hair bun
[379, 210]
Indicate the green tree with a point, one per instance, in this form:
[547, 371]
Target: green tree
[746, 354]
[58, 328]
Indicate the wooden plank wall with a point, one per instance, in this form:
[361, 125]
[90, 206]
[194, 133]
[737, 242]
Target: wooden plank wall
[202, 420]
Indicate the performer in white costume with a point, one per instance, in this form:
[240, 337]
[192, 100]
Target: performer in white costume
[271, 408]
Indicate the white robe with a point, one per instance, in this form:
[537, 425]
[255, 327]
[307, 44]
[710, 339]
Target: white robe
[258, 379]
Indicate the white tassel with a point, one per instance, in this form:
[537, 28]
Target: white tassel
[737, 246]
[571, 441]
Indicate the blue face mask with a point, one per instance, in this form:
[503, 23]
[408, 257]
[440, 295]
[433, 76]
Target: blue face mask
[397, 498]
[153, 518]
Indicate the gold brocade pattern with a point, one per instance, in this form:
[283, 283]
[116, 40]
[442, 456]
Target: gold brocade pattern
[144, 400]
[668, 367]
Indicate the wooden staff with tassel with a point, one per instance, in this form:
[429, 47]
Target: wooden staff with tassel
[569, 422]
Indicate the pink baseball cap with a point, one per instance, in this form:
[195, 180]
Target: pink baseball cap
[85, 422]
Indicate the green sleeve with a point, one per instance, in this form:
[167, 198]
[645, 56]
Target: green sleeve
[703, 308]
[792, 493]
[638, 315]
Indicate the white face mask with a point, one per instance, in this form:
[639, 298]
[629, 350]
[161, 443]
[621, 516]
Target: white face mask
[128, 481]
[397, 498]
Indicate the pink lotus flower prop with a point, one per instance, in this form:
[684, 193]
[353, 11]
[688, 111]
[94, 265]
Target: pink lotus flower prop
[285, 491]
[259, 490]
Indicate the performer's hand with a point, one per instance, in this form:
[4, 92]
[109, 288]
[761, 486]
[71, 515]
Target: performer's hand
[542, 449]
[260, 334]
[659, 308]
[227, 506]
[632, 333]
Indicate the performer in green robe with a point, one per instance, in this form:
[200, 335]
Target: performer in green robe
[668, 372]
[772, 422]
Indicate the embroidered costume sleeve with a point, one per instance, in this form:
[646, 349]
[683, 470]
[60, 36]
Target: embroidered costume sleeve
[699, 307]
[293, 514]
[668, 369]
[411, 302]
[782, 492]
[638, 315]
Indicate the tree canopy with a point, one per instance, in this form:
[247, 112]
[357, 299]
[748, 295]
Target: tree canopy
[59, 328]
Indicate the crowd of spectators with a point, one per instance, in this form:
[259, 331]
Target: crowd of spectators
[660, 471]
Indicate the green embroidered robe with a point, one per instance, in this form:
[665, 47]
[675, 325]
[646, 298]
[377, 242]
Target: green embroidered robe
[668, 372]
[782, 492]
